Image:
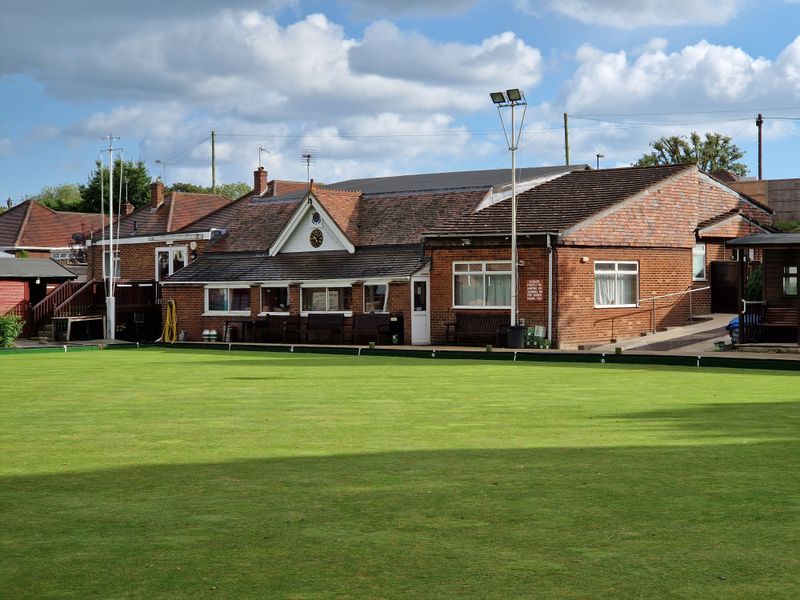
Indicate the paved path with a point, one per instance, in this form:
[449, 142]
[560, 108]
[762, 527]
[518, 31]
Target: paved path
[702, 334]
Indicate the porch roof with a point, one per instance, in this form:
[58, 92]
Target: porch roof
[767, 240]
[374, 262]
[27, 268]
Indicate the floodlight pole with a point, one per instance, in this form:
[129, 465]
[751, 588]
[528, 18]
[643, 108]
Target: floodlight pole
[111, 309]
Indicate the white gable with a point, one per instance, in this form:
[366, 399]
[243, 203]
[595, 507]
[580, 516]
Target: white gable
[300, 239]
[308, 225]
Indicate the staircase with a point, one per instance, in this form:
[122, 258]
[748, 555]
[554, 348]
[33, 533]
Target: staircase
[71, 298]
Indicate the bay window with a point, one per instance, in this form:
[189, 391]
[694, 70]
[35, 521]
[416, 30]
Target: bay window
[326, 299]
[616, 284]
[482, 284]
[375, 297]
[228, 300]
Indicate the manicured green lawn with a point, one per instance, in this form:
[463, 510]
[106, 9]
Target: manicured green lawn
[175, 474]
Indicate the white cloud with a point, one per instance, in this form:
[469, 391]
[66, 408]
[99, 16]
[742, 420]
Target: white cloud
[632, 14]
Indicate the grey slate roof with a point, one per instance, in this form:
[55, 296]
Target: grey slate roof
[369, 262]
[455, 180]
[767, 240]
[25, 268]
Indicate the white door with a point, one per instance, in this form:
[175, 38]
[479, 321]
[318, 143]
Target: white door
[420, 311]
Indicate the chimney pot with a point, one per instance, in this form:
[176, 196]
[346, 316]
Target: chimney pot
[127, 208]
[156, 193]
[259, 181]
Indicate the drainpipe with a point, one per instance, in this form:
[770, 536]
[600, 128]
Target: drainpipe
[549, 291]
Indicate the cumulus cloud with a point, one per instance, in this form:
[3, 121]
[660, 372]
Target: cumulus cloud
[631, 14]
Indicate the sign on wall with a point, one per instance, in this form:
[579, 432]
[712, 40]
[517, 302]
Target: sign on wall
[535, 290]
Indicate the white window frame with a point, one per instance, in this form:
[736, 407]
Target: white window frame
[483, 272]
[171, 250]
[261, 299]
[695, 247]
[228, 313]
[616, 271]
[117, 265]
[327, 286]
[787, 276]
[385, 299]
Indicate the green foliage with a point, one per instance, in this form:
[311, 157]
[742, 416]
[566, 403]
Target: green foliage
[66, 196]
[10, 328]
[788, 226]
[22, 254]
[229, 190]
[713, 152]
[753, 289]
[135, 173]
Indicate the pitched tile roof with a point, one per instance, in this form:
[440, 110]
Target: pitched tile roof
[366, 263]
[560, 203]
[34, 225]
[178, 210]
[255, 225]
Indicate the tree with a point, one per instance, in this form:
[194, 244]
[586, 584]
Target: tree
[138, 185]
[714, 152]
[66, 196]
[229, 190]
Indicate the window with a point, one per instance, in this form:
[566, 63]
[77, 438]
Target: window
[375, 297]
[699, 261]
[482, 284]
[169, 260]
[790, 280]
[275, 299]
[326, 299]
[616, 284]
[106, 270]
[228, 300]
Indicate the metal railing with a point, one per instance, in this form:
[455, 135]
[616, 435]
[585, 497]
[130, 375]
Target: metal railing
[674, 294]
[751, 321]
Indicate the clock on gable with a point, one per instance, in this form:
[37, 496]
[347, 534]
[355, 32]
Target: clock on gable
[316, 238]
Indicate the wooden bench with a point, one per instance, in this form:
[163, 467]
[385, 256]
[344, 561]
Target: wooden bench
[371, 328]
[474, 328]
[324, 328]
[282, 329]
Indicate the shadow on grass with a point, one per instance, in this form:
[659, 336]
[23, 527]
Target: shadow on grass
[684, 522]
[743, 420]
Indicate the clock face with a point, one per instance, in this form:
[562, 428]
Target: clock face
[316, 238]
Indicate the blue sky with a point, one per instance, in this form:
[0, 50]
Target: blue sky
[380, 87]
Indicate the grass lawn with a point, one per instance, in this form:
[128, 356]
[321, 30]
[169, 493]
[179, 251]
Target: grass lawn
[174, 474]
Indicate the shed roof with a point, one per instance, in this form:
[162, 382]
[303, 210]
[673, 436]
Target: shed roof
[26, 268]
[767, 240]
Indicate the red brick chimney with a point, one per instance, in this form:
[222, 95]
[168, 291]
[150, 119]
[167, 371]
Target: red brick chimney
[260, 181]
[156, 193]
[127, 208]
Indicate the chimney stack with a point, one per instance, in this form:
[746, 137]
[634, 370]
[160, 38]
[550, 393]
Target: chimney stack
[156, 193]
[260, 181]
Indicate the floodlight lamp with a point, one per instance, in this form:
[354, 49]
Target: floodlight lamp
[498, 97]
[514, 95]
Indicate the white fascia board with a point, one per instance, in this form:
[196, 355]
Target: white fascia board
[37, 248]
[504, 192]
[166, 237]
[297, 217]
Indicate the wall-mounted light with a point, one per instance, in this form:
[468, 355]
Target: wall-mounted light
[466, 242]
[38, 281]
[584, 259]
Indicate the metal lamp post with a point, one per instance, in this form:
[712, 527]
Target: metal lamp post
[511, 99]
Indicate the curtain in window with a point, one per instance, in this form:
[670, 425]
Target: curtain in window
[626, 288]
[217, 299]
[604, 289]
[498, 290]
[469, 290]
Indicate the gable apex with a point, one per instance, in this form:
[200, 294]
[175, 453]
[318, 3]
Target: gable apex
[296, 234]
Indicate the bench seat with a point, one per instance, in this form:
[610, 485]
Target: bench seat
[478, 328]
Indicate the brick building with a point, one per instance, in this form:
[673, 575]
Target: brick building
[595, 249]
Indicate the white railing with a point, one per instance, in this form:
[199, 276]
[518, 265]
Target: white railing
[654, 298]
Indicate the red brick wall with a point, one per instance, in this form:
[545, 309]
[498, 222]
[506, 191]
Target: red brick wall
[534, 311]
[137, 261]
[190, 302]
[11, 294]
[666, 216]
[661, 271]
